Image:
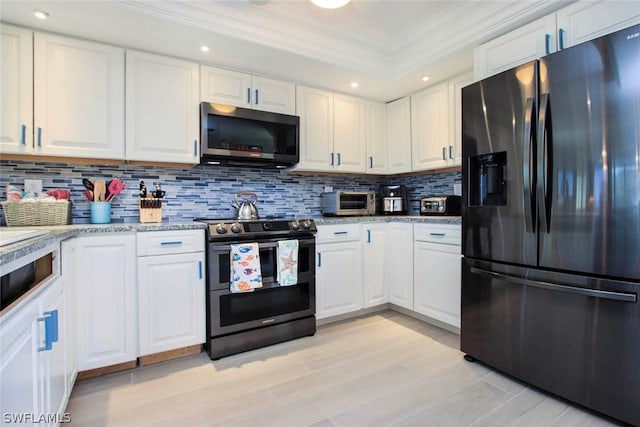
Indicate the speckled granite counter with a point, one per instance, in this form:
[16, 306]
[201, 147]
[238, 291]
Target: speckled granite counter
[389, 218]
[60, 232]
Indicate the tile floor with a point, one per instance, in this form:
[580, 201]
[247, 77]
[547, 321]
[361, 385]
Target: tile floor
[385, 369]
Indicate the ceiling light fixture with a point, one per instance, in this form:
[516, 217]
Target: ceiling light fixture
[329, 4]
[354, 84]
[425, 78]
[204, 48]
[40, 14]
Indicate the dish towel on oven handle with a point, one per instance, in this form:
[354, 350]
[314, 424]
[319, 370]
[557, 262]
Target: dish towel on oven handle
[287, 262]
[245, 267]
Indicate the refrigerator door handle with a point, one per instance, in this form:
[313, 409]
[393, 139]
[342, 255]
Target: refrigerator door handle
[528, 169]
[616, 296]
[545, 163]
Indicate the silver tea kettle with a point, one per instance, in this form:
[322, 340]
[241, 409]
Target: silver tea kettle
[245, 205]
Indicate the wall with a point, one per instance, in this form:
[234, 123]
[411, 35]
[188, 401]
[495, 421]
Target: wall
[208, 191]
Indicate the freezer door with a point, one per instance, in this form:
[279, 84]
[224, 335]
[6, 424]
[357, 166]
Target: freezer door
[498, 148]
[589, 156]
[575, 336]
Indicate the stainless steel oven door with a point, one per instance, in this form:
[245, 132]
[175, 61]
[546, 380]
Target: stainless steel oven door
[233, 312]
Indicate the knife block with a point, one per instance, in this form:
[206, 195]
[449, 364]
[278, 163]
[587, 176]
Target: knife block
[150, 210]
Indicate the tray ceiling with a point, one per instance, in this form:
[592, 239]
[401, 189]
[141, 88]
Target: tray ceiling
[384, 45]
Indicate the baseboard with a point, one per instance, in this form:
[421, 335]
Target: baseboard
[150, 359]
[106, 370]
[435, 322]
[352, 314]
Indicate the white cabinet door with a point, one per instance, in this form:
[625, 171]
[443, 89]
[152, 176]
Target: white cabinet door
[377, 138]
[19, 377]
[399, 136]
[584, 21]
[163, 119]
[454, 150]
[78, 98]
[69, 276]
[273, 95]
[399, 263]
[430, 127]
[107, 321]
[339, 286]
[16, 87]
[225, 87]
[171, 302]
[315, 108]
[349, 133]
[525, 44]
[373, 256]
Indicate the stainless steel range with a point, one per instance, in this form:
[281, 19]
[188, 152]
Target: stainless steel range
[238, 322]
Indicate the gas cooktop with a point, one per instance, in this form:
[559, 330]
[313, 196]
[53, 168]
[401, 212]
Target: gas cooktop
[249, 228]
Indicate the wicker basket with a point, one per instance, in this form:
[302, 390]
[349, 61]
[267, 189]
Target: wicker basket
[37, 213]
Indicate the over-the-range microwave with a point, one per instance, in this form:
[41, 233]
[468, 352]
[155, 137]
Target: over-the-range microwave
[240, 136]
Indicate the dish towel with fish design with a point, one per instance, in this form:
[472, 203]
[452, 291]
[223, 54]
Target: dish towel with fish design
[245, 267]
[288, 262]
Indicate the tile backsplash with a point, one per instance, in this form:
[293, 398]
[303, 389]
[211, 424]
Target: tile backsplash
[205, 191]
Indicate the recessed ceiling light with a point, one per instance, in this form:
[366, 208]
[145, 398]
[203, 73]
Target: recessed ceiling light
[329, 4]
[40, 14]
[425, 78]
[204, 48]
[354, 84]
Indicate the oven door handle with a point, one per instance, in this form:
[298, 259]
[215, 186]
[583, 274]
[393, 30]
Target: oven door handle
[265, 245]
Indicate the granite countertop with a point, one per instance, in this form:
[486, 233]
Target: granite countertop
[58, 233]
[389, 218]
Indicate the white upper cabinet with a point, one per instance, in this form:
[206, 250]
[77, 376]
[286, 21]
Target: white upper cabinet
[430, 127]
[349, 133]
[376, 138]
[168, 132]
[399, 136]
[243, 90]
[315, 108]
[579, 22]
[16, 89]
[525, 44]
[454, 151]
[584, 21]
[78, 98]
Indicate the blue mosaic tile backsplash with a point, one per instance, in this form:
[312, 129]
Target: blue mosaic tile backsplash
[205, 191]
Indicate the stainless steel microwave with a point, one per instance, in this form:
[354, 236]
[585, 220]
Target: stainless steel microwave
[348, 203]
[244, 137]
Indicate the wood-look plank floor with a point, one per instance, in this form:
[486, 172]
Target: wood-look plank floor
[385, 369]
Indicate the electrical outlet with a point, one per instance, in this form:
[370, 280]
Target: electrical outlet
[33, 185]
[328, 189]
[457, 189]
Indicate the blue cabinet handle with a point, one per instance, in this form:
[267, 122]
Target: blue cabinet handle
[248, 95]
[437, 234]
[54, 324]
[339, 161]
[256, 96]
[368, 236]
[451, 152]
[319, 259]
[39, 137]
[561, 38]
[370, 162]
[340, 232]
[200, 269]
[331, 159]
[547, 41]
[50, 329]
[23, 132]
[195, 147]
[176, 242]
[444, 153]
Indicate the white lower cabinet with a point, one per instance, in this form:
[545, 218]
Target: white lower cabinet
[373, 252]
[171, 290]
[437, 270]
[106, 300]
[68, 272]
[398, 272]
[339, 280]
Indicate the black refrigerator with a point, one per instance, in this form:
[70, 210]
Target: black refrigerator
[551, 223]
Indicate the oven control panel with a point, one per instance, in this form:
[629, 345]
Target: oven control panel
[261, 228]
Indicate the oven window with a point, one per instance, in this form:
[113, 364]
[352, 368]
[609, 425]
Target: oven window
[263, 304]
[353, 201]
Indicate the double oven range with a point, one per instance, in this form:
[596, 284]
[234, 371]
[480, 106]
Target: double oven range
[238, 322]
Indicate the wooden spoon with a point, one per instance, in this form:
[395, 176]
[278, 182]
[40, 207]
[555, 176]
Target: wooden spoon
[99, 190]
